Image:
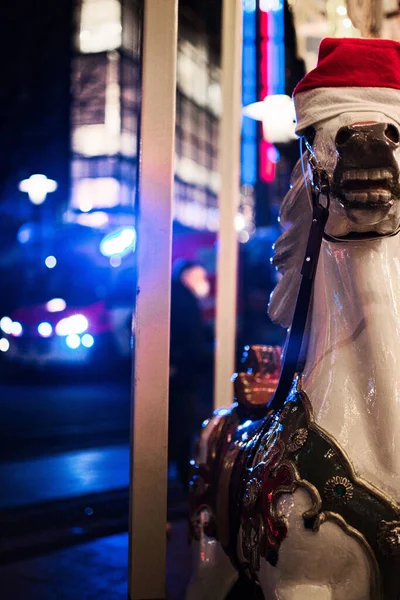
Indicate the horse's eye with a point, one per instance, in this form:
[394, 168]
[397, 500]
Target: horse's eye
[309, 134]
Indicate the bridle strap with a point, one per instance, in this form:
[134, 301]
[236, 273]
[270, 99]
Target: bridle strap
[320, 213]
[367, 238]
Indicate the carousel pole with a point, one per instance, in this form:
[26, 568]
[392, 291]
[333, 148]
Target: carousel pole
[229, 160]
[149, 427]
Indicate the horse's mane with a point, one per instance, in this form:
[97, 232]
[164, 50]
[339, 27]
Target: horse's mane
[295, 219]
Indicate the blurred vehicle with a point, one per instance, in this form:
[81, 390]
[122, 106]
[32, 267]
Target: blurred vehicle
[68, 293]
[62, 318]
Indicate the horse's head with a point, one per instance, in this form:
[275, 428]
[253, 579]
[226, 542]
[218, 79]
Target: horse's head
[348, 111]
[361, 155]
[348, 107]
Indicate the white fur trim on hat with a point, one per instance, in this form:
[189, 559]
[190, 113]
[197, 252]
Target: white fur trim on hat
[320, 104]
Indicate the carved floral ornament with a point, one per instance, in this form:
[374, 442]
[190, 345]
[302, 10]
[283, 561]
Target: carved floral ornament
[252, 525]
[252, 494]
[389, 538]
[338, 490]
[297, 439]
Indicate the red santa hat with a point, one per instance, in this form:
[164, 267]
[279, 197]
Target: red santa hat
[344, 66]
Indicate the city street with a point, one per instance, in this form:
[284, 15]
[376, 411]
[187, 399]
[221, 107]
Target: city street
[95, 570]
[64, 463]
[45, 418]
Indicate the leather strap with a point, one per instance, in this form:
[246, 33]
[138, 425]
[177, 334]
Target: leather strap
[355, 237]
[320, 214]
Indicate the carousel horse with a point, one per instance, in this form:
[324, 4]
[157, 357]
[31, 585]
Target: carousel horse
[295, 487]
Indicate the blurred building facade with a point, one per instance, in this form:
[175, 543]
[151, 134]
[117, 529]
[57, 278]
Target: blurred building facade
[76, 81]
[105, 106]
[106, 97]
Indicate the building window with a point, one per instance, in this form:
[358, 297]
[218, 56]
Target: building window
[97, 114]
[100, 27]
[196, 78]
[100, 192]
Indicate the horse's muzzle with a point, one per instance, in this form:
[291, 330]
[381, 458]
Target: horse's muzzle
[366, 174]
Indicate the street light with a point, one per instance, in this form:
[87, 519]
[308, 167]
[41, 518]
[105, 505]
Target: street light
[37, 187]
[277, 115]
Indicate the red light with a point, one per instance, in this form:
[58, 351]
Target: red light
[263, 24]
[263, 71]
[267, 168]
[263, 55]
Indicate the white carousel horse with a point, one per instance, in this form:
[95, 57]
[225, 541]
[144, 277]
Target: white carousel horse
[350, 395]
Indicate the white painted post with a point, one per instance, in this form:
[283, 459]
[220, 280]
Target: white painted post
[149, 444]
[229, 161]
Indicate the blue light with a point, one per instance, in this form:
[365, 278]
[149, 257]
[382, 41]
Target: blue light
[119, 242]
[276, 47]
[245, 425]
[73, 341]
[249, 161]
[221, 412]
[249, 6]
[115, 261]
[50, 262]
[24, 234]
[249, 94]
[45, 329]
[87, 340]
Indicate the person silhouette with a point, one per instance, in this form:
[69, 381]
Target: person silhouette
[191, 360]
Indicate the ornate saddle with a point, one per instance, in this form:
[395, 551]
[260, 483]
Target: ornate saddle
[248, 458]
[256, 383]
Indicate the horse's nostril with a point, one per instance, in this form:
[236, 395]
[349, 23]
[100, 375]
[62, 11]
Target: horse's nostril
[343, 135]
[392, 133]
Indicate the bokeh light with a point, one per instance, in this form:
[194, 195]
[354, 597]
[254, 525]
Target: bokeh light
[4, 345]
[50, 262]
[6, 324]
[16, 329]
[73, 341]
[45, 329]
[87, 340]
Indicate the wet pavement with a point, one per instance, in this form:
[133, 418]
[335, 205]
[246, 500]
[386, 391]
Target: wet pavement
[51, 502]
[67, 475]
[92, 571]
[64, 493]
[47, 417]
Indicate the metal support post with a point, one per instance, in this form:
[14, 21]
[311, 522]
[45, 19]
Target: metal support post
[149, 443]
[229, 160]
